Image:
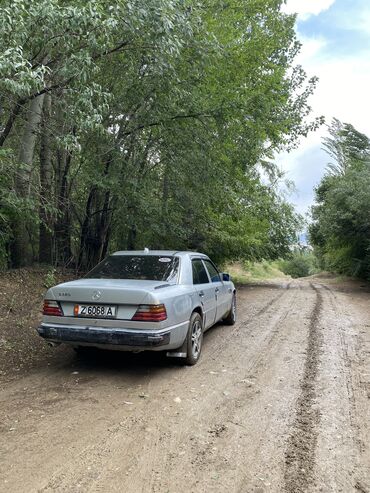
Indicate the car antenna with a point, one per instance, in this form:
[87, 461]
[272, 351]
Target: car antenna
[146, 250]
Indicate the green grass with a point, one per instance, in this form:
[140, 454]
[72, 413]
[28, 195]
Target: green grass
[248, 272]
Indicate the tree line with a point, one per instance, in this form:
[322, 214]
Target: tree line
[128, 124]
[340, 230]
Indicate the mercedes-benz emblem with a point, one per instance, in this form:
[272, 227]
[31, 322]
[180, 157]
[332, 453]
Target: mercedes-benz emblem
[96, 295]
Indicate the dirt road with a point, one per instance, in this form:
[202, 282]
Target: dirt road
[279, 403]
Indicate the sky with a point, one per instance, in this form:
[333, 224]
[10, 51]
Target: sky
[335, 36]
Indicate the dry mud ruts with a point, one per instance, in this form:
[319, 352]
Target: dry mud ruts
[279, 402]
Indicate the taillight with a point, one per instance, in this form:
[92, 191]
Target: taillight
[52, 308]
[150, 313]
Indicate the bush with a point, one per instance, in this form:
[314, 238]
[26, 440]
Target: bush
[50, 279]
[301, 264]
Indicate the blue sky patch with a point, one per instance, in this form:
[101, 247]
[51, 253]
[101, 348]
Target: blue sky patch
[340, 26]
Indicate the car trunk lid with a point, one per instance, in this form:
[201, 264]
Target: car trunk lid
[126, 295]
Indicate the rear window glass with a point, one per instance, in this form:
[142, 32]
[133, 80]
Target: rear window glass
[141, 267]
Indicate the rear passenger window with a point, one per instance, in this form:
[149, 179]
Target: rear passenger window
[213, 274]
[199, 272]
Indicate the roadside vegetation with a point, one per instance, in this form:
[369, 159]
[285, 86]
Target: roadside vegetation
[127, 125]
[299, 264]
[249, 272]
[20, 345]
[340, 231]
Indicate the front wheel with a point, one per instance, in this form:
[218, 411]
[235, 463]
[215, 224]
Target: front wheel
[194, 339]
[230, 319]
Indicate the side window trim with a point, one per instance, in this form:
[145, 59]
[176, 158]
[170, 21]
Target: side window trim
[193, 271]
[205, 267]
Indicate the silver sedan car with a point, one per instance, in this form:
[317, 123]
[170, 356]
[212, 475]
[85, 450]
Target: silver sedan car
[141, 300]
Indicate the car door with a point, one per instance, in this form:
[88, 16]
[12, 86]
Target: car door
[220, 290]
[205, 290]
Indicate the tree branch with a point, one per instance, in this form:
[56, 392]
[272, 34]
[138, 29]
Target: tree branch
[9, 124]
[197, 116]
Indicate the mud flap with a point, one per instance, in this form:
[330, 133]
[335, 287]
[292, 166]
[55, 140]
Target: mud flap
[180, 352]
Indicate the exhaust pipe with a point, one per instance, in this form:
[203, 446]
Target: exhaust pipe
[53, 344]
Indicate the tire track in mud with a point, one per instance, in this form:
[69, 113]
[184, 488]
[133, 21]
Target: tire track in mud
[218, 409]
[201, 454]
[91, 456]
[261, 310]
[231, 430]
[228, 414]
[264, 343]
[300, 452]
[349, 348]
[246, 322]
[347, 358]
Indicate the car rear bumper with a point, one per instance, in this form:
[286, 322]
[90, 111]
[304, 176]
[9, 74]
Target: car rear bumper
[115, 338]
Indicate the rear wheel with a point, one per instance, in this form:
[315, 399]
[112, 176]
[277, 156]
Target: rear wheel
[194, 340]
[84, 350]
[230, 319]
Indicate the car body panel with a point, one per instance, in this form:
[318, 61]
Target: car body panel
[180, 298]
[208, 303]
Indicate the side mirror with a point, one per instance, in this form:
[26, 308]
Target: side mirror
[225, 277]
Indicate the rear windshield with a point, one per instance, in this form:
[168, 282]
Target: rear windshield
[143, 267]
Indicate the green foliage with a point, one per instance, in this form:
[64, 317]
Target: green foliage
[264, 269]
[347, 146]
[248, 271]
[164, 117]
[300, 264]
[50, 278]
[341, 227]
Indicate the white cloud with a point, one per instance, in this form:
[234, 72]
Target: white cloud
[342, 92]
[311, 47]
[344, 81]
[343, 89]
[359, 20]
[306, 8]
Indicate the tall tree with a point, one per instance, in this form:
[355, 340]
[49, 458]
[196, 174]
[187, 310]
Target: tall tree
[46, 186]
[162, 118]
[341, 217]
[21, 254]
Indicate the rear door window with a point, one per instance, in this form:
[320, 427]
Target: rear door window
[200, 275]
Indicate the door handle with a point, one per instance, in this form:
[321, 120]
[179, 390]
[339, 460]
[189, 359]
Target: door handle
[201, 294]
[217, 290]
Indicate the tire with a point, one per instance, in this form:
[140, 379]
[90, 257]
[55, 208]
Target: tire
[84, 351]
[230, 319]
[194, 340]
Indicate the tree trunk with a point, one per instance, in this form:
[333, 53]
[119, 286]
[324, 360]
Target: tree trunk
[164, 208]
[132, 208]
[104, 231]
[95, 232]
[46, 176]
[18, 107]
[21, 247]
[132, 233]
[85, 238]
[62, 228]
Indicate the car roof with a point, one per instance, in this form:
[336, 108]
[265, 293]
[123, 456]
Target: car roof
[159, 252]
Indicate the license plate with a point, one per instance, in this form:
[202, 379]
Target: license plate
[99, 311]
